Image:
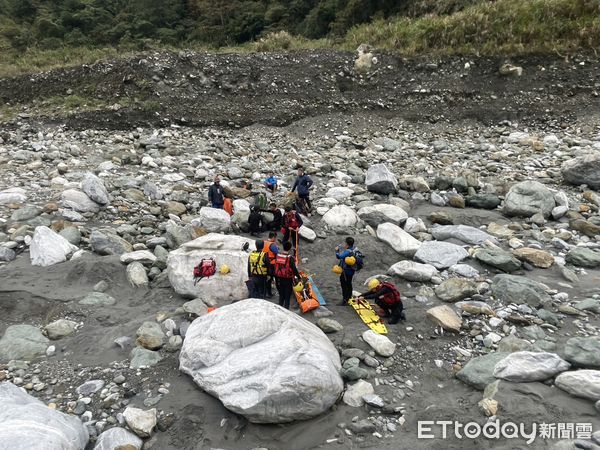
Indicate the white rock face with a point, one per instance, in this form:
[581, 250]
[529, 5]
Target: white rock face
[355, 392]
[79, 201]
[339, 193]
[340, 218]
[441, 255]
[142, 256]
[48, 248]
[219, 288]
[26, 422]
[379, 179]
[580, 383]
[116, 437]
[140, 421]
[213, 220]
[381, 344]
[13, 195]
[94, 188]
[377, 214]
[398, 239]
[263, 362]
[413, 271]
[523, 367]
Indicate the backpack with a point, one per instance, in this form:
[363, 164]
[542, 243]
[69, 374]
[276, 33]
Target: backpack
[261, 201]
[257, 263]
[205, 269]
[394, 296]
[283, 266]
[360, 260]
[291, 220]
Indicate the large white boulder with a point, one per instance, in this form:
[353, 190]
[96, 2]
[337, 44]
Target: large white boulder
[377, 214]
[27, 423]
[48, 248]
[380, 343]
[413, 271]
[13, 195]
[340, 193]
[263, 361]
[307, 233]
[524, 367]
[398, 239]
[379, 179]
[225, 249]
[441, 255]
[580, 383]
[213, 220]
[340, 218]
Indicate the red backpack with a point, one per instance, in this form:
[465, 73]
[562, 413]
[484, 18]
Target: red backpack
[291, 220]
[283, 266]
[393, 297]
[205, 269]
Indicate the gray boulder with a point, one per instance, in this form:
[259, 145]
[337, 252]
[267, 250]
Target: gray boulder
[7, 254]
[479, 371]
[466, 234]
[116, 437]
[27, 423]
[142, 358]
[580, 383]
[107, 243]
[13, 195]
[97, 299]
[94, 188]
[524, 367]
[528, 198]
[583, 257]
[583, 352]
[441, 255]
[520, 290]
[377, 214]
[379, 179]
[413, 271]
[60, 328]
[455, 289]
[150, 336]
[78, 201]
[329, 325]
[23, 342]
[583, 170]
[263, 362]
[498, 258]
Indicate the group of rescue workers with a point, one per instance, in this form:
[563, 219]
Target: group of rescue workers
[268, 263]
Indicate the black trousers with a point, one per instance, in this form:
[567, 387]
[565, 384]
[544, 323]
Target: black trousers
[269, 286]
[259, 286]
[346, 283]
[394, 311]
[290, 234]
[285, 289]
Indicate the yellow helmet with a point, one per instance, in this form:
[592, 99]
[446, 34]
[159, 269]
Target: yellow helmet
[337, 269]
[350, 260]
[298, 287]
[224, 269]
[374, 283]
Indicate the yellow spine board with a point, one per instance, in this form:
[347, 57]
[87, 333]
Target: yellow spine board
[368, 315]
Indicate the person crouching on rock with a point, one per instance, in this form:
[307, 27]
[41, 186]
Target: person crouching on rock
[291, 224]
[277, 222]
[271, 182]
[216, 195]
[255, 221]
[387, 297]
[258, 267]
[285, 270]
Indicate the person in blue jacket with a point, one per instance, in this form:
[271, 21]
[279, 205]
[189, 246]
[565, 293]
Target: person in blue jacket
[271, 182]
[303, 183]
[347, 270]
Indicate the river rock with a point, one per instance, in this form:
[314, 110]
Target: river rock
[340, 193]
[583, 352]
[589, 304]
[483, 201]
[381, 344]
[524, 367]
[580, 383]
[118, 438]
[583, 170]
[142, 256]
[213, 220]
[108, 243]
[528, 198]
[307, 234]
[263, 362]
[441, 255]
[48, 248]
[455, 289]
[141, 422]
[379, 179]
[150, 336]
[219, 287]
[94, 188]
[329, 325]
[413, 271]
[13, 195]
[519, 290]
[340, 218]
[355, 392]
[498, 258]
[479, 371]
[7, 254]
[22, 342]
[583, 257]
[136, 274]
[377, 214]
[466, 234]
[60, 328]
[26, 423]
[445, 317]
[398, 239]
[78, 201]
[97, 299]
[535, 257]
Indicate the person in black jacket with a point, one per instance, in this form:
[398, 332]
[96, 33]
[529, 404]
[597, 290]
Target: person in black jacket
[216, 195]
[255, 221]
[277, 222]
[303, 183]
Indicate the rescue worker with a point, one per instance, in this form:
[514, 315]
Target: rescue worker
[387, 297]
[255, 221]
[258, 268]
[291, 224]
[216, 195]
[285, 270]
[347, 261]
[303, 183]
[271, 249]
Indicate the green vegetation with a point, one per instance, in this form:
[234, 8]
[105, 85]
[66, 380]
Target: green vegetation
[42, 34]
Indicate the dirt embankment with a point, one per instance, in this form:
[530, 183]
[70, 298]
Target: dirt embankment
[199, 89]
